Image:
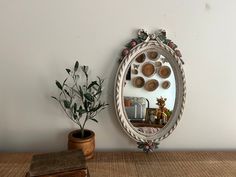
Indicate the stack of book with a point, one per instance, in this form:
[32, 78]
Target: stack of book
[59, 164]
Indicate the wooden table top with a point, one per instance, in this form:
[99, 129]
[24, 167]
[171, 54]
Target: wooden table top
[138, 164]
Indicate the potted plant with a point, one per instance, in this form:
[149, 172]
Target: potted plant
[80, 99]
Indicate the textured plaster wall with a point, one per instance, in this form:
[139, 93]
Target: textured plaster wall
[39, 38]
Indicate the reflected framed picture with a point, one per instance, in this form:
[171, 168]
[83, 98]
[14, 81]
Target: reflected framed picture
[150, 113]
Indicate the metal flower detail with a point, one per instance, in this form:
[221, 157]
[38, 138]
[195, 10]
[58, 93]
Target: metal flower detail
[148, 146]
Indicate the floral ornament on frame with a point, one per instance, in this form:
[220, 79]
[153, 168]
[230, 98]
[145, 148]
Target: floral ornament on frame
[149, 146]
[143, 36]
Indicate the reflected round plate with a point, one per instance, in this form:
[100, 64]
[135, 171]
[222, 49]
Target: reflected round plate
[151, 85]
[152, 55]
[141, 58]
[164, 72]
[138, 82]
[148, 69]
[165, 84]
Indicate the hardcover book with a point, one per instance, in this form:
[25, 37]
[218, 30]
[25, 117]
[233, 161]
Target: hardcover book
[59, 164]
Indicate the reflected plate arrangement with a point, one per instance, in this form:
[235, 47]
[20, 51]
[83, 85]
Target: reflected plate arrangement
[150, 63]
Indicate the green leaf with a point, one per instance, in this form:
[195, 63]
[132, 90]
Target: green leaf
[162, 37]
[68, 71]
[138, 40]
[81, 92]
[99, 107]
[95, 88]
[59, 85]
[74, 90]
[167, 41]
[85, 70]
[75, 116]
[92, 84]
[54, 98]
[141, 146]
[67, 92]
[94, 120]
[128, 45]
[89, 97]
[66, 104]
[75, 107]
[143, 36]
[86, 105]
[98, 92]
[65, 81]
[96, 108]
[100, 81]
[76, 66]
[81, 111]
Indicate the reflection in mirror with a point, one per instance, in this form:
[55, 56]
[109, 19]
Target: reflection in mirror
[149, 91]
[150, 88]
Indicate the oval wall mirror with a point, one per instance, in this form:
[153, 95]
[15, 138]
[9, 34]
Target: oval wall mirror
[150, 89]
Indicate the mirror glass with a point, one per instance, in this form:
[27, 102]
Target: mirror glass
[149, 91]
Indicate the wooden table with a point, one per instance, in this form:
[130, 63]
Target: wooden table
[137, 164]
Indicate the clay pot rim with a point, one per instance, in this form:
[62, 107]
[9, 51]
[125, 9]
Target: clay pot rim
[74, 139]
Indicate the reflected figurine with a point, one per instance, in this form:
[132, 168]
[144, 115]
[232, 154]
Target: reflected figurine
[162, 113]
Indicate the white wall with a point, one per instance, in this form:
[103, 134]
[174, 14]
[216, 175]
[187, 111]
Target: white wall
[39, 38]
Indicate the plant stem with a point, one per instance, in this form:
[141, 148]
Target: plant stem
[82, 133]
[86, 81]
[85, 120]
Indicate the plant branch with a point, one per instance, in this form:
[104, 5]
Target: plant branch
[77, 122]
[81, 101]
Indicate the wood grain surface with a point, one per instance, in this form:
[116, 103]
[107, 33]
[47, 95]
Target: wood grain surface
[137, 164]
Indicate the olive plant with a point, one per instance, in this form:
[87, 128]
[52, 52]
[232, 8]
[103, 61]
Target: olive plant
[80, 98]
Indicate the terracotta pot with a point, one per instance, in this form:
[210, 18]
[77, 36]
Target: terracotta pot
[87, 144]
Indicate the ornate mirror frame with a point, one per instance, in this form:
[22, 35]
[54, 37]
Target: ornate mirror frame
[166, 47]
